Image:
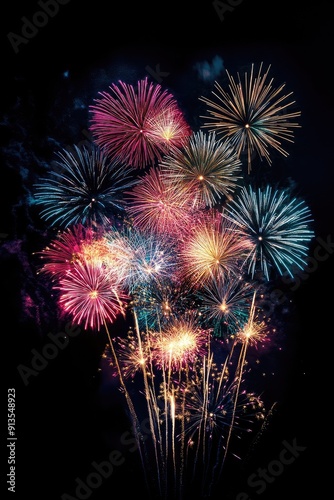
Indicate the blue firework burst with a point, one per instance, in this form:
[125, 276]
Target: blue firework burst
[225, 305]
[86, 188]
[277, 224]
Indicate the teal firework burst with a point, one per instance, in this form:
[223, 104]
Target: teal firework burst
[86, 188]
[225, 305]
[278, 226]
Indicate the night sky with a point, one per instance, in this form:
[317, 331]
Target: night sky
[71, 413]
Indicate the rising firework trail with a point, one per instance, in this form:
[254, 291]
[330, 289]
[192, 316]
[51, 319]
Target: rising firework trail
[252, 333]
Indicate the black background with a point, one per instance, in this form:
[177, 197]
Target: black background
[71, 414]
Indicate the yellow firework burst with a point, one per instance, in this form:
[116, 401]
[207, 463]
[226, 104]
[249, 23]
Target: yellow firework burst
[214, 251]
[253, 114]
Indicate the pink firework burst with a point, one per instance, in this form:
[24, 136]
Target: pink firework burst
[170, 129]
[157, 205]
[90, 295]
[65, 250]
[137, 125]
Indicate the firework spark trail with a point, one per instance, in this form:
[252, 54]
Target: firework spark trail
[207, 484]
[141, 446]
[249, 330]
[206, 422]
[206, 376]
[168, 391]
[175, 347]
[172, 413]
[262, 430]
[183, 444]
[129, 401]
[253, 115]
[207, 405]
[150, 400]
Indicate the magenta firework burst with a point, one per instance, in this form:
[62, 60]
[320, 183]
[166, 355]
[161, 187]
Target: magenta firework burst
[137, 124]
[159, 206]
[65, 250]
[90, 296]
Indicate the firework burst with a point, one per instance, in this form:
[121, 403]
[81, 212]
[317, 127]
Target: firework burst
[65, 250]
[179, 344]
[137, 124]
[213, 251]
[276, 224]
[253, 114]
[169, 129]
[158, 206]
[206, 167]
[86, 190]
[139, 258]
[225, 305]
[89, 296]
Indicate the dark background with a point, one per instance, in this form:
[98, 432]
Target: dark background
[71, 413]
